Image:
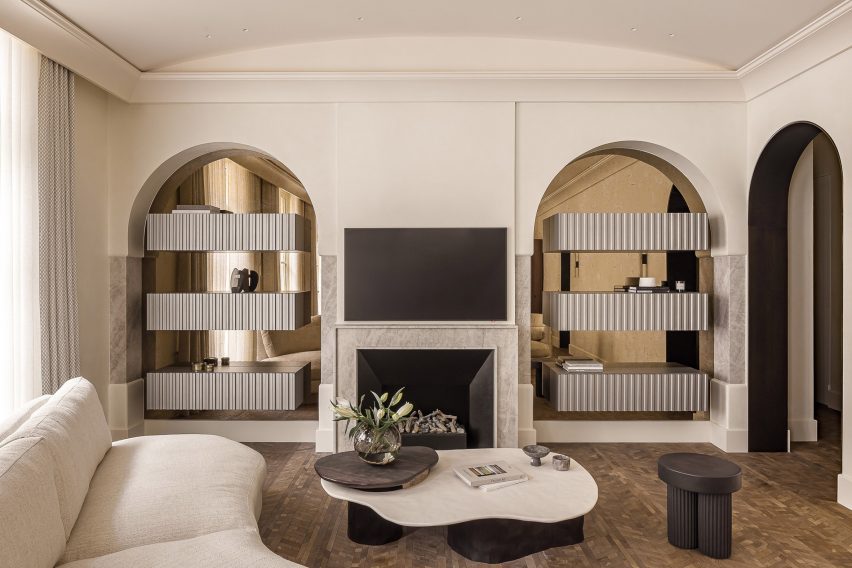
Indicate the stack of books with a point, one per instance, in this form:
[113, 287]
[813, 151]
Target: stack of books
[490, 476]
[642, 289]
[582, 366]
[196, 209]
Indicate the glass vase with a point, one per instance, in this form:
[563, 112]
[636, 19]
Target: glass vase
[377, 447]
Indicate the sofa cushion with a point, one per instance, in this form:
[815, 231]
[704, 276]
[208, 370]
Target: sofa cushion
[312, 357]
[11, 423]
[306, 338]
[225, 549]
[32, 532]
[161, 488]
[540, 350]
[75, 431]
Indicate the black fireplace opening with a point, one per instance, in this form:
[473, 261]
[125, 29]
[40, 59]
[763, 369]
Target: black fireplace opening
[457, 382]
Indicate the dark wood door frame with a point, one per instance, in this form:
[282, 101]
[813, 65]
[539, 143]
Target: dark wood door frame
[767, 286]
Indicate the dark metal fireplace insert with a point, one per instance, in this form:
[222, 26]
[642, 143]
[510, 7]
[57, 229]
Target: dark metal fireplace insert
[459, 382]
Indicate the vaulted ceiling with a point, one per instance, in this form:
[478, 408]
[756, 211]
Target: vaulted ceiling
[238, 35]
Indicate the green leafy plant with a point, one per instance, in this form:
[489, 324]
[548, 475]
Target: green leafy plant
[379, 417]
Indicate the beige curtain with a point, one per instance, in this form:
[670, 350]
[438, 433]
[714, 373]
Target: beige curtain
[191, 272]
[60, 342]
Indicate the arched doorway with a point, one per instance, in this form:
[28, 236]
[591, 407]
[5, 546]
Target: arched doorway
[620, 179]
[769, 299]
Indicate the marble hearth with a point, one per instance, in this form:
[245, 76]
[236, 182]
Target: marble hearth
[501, 338]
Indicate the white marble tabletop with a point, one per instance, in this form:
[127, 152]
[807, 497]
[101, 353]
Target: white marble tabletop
[444, 499]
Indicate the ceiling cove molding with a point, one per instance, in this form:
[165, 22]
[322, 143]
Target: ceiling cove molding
[51, 33]
[816, 43]
[829, 17]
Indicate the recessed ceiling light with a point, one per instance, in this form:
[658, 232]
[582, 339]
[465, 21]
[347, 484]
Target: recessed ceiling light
[671, 35]
[360, 18]
[245, 29]
[634, 29]
[208, 36]
[518, 18]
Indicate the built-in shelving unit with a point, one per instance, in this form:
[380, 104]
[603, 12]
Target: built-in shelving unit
[622, 311]
[626, 387]
[626, 232]
[227, 232]
[225, 311]
[239, 386]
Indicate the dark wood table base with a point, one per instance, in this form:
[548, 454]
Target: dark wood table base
[502, 540]
[367, 527]
[483, 540]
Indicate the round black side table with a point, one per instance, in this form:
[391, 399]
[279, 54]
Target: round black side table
[699, 507]
[410, 467]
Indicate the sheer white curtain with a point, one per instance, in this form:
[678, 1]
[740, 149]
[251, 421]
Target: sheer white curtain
[20, 367]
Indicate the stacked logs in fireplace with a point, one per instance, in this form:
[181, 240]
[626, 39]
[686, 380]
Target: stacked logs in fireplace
[436, 430]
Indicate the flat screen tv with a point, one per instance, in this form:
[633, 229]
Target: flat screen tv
[425, 274]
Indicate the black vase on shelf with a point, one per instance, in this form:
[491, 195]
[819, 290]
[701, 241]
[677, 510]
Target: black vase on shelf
[244, 280]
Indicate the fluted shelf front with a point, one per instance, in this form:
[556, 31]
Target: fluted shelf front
[641, 232]
[241, 386]
[227, 232]
[625, 311]
[635, 387]
[225, 311]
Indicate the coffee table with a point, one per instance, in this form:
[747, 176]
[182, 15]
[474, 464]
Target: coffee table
[496, 526]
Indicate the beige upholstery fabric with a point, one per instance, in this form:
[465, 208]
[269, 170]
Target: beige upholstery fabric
[75, 431]
[225, 549]
[312, 357]
[161, 488]
[306, 338]
[13, 422]
[31, 531]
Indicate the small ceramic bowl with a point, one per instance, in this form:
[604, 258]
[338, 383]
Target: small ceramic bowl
[561, 462]
[536, 452]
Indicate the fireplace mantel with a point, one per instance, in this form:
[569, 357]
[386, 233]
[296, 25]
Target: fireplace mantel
[500, 337]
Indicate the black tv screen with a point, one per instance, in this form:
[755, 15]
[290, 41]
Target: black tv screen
[425, 274]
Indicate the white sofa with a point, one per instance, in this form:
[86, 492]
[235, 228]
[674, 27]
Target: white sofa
[70, 497]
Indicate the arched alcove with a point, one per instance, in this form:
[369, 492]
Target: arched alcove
[768, 285]
[678, 187]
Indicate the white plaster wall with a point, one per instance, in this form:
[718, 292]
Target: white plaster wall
[705, 141]
[822, 95]
[800, 337]
[427, 165]
[91, 197]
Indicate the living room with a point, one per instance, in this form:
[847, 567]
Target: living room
[607, 233]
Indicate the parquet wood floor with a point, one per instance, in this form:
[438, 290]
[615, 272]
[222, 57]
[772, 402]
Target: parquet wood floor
[785, 515]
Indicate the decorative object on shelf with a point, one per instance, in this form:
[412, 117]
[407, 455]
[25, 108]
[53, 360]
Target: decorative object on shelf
[561, 462]
[196, 209]
[198, 367]
[375, 433]
[226, 361]
[536, 452]
[647, 282]
[244, 280]
[680, 285]
[643, 270]
[211, 361]
[577, 265]
[209, 367]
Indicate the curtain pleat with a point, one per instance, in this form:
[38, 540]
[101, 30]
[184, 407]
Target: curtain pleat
[60, 341]
[20, 374]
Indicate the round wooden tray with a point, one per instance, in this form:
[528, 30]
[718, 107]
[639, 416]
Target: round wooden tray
[346, 468]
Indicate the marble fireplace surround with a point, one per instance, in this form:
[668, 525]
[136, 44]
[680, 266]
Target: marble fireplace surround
[501, 338]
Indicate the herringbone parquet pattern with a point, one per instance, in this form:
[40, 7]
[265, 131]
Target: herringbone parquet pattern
[785, 515]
